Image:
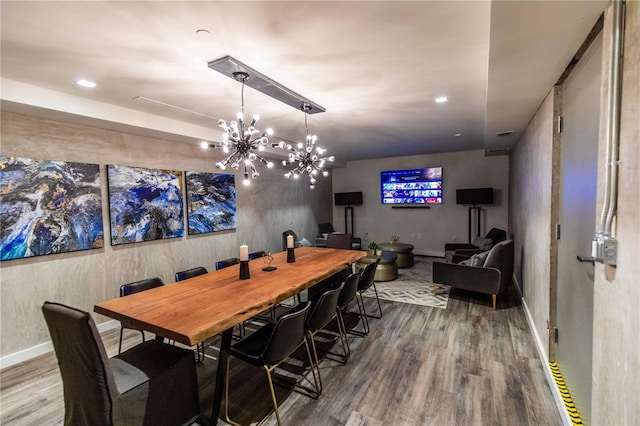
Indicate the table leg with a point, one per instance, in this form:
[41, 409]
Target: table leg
[225, 343]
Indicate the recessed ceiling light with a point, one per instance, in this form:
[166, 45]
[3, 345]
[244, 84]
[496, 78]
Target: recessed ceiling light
[204, 34]
[457, 135]
[441, 99]
[85, 83]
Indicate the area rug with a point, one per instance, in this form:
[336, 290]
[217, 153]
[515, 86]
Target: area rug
[414, 285]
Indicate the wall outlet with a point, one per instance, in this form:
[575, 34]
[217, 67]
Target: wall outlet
[453, 237]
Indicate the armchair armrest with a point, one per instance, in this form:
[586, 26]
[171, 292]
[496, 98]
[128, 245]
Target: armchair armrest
[473, 278]
[463, 254]
[458, 246]
[356, 243]
[321, 242]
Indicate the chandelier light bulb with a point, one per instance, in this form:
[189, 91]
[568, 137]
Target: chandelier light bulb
[204, 145]
[300, 145]
[225, 149]
[325, 173]
[270, 165]
[270, 131]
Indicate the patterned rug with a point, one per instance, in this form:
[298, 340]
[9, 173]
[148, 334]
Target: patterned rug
[414, 286]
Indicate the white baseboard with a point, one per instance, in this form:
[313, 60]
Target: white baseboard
[43, 348]
[557, 398]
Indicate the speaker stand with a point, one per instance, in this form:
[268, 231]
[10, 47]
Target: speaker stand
[348, 213]
[477, 220]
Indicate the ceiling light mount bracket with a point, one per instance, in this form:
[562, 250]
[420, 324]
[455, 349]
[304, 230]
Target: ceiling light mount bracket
[231, 67]
[240, 76]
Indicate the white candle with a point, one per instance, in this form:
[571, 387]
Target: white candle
[244, 252]
[289, 241]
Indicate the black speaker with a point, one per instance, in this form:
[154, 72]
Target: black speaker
[347, 198]
[474, 196]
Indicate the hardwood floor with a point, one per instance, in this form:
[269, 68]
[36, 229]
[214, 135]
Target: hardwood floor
[464, 365]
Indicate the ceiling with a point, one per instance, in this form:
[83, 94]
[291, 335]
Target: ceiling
[376, 67]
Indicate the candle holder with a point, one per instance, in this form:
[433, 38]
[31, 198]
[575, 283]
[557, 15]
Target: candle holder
[291, 255]
[268, 258]
[244, 270]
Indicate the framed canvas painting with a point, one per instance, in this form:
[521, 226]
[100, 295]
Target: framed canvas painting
[211, 202]
[144, 204]
[48, 207]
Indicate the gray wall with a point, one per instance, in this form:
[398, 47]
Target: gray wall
[427, 229]
[268, 207]
[530, 215]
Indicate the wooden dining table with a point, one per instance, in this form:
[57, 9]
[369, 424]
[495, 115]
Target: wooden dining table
[199, 308]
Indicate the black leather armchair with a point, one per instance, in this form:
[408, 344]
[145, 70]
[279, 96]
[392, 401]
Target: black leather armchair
[491, 278]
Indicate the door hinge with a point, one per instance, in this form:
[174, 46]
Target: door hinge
[559, 124]
[557, 231]
[555, 334]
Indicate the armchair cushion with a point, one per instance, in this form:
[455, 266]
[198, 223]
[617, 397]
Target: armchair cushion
[476, 260]
[482, 243]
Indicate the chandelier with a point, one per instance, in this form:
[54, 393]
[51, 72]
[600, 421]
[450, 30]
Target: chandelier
[241, 141]
[308, 157]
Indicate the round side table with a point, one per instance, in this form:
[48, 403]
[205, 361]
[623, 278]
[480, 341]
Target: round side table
[387, 269]
[402, 250]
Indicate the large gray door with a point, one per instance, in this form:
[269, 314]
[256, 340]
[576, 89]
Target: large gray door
[581, 116]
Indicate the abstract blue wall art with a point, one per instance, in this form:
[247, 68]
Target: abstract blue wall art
[144, 204]
[48, 207]
[211, 202]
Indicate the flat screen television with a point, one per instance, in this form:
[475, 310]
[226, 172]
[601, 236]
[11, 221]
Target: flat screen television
[413, 186]
[474, 196]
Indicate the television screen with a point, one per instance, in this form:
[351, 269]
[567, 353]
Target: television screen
[416, 186]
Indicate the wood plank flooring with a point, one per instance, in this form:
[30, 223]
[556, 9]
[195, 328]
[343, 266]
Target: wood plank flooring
[464, 365]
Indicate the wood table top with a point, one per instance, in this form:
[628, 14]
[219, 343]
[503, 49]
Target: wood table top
[193, 310]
